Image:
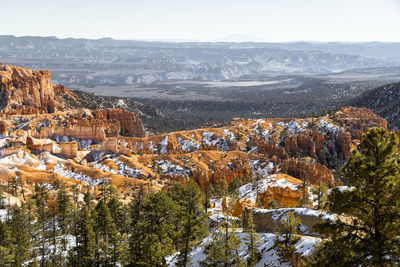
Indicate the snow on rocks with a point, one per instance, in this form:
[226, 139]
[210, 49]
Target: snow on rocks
[328, 128]
[59, 168]
[20, 158]
[253, 149]
[21, 122]
[42, 166]
[123, 169]
[261, 132]
[3, 214]
[269, 220]
[269, 256]
[208, 139]
[229, 135]
[342, 188]
[216, 202]
[163, 145]
[257, 122]
[261, 168]
[222, 143]
[151, 146]
[167, 168]
[220, 217]
[293, 127]
[249, 191]
[187, 145]
[282, 213]
[266, 135]
[84, 143]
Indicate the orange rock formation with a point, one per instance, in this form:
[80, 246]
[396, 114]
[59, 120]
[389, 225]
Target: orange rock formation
[26, 91]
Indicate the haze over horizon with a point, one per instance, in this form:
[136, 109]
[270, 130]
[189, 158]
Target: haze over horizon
[255, 20]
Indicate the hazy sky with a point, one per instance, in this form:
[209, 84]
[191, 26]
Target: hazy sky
[272, 20]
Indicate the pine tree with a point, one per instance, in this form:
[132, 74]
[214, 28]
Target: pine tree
[252, 242]
[233, 187]
[137, 223]
[12, 186]
[75, 208]
[368, 233]
[272, 204]
[191, 219]
[119, 213]
[223, 249]
[287, 237]
[221, 188]
[41, 197]
[32, 228]
[6, 256]
[2, 199]
[319, 195]
[108, 238]
[85, 236]
[209, 192]
[304, 200]
[20, 237]
[153, 228]
[64, 215]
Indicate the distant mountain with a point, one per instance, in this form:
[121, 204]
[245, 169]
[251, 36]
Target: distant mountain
[384, 101]
[118, 62]
[241, 38]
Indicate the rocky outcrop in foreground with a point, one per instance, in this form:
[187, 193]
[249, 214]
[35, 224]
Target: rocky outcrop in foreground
[270, 220]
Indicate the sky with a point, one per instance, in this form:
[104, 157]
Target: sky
[205, 20]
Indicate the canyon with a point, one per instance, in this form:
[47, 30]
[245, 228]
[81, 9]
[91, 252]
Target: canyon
[43, 139]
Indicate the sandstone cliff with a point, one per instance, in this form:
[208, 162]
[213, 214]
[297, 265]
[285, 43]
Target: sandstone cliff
[26, 91]
[129, 123]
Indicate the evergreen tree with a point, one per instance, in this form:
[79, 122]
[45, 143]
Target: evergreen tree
[223, 249]
[137, 234]
[272, 204]
[41, 197]
[64, 218]
[12, 186]
[221, 188]
[75, 208]
[304, 200]
[108, 238]
[252, 242]
[32, 227]
[209, 192]
[6, 256]
[233, 187]
[85, 236]
[369, 233]
[287, 237]
[2, 199]
[319, 195]
[20, 237]
[120, 214]
[153, 228]
[192, 220]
